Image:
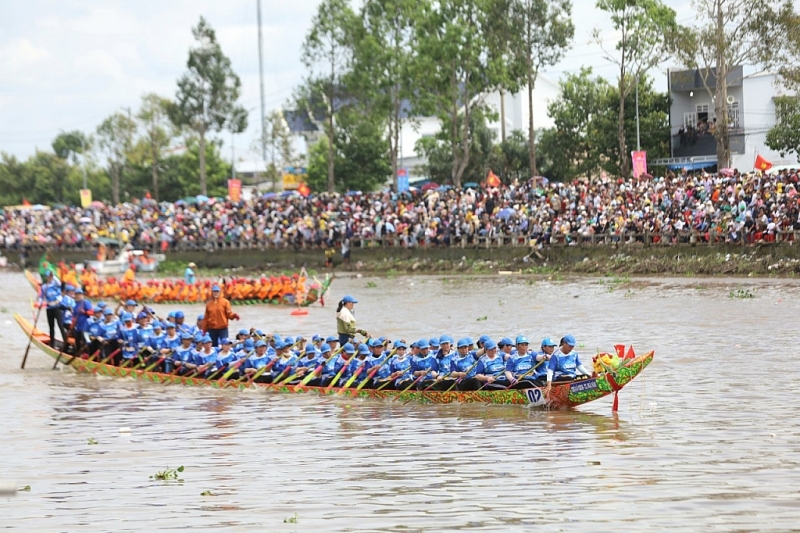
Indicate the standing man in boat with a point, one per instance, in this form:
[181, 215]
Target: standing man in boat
[346, 321]
[218, 312]
[50, 296]
[82, 312]
[188, 274]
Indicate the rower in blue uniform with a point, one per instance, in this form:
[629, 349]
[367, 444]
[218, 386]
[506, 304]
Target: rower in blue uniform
[205, 356]
[307, 363]
[106, 335]
[519, 365]
[424, 366]
[344, 359]
[257, 361]
[565, 364]
[67, 304]
[491, 368]
[242, 336]
[225, 357]
[541, 359]
[400, 367]
[285, 360]
[361, 360]
[332, 341]
[50, 296]
[384, 365]
[181, 355]
[327, 363]
[83, 314]
[129, 337]
[505, 348]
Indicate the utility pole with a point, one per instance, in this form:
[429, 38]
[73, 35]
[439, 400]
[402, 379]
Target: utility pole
[638, 139]
[261, 78]
[83, 160]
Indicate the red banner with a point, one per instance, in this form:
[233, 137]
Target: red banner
[235, 190]
[639, 160]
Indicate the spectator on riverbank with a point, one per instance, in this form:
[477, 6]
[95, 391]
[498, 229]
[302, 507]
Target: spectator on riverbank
[675, 208]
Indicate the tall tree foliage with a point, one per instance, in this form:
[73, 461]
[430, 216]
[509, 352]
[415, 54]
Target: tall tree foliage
[328, 53]
[115, 137]
[207, 93]
[455, 70]
[277, 140]
[784, 137]
[643, 27]
[584, 142]
[734, 33]
[158, 134]
[544, 31]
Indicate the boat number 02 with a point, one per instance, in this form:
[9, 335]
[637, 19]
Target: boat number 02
[535, 396]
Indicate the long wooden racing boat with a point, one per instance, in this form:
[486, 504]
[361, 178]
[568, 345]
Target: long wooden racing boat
[562, 395]
[315, 292]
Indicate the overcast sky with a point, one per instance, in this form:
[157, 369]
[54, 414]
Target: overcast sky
[67, 64]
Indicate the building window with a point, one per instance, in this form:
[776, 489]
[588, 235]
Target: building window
[733, 115]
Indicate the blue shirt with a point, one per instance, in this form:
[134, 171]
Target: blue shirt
[425, 362]
[188, 276]
[305, 362]
[81, 310]
[445, 361]
[202, 358]
[520, 364]
[282, 364]
[464, 364]
[68, 303]
[490, 367]
[328, 367]
[401, 365]
[131, 338]
[107, 330]
[50, 293]
[184, 355]
[564, 365]
[256, 361]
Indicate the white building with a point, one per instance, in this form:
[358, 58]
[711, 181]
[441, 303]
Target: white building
[751, 113]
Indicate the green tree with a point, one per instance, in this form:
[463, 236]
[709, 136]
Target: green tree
[67, 146]
[207, 94]
[455, 70]
[328, 52]
[382, 74]
[510, 159]
[544, 33]
[277, 139]
[115, 140]
[784, 137]
[317, 169]
[733, 33]
[159, 133]
[180, 174]
[642, 28]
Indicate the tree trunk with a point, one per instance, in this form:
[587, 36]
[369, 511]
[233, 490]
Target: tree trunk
[502, 116]
[202, 154]
[624, 167]
[721, 96]
[531, 134]
[331, 152]
[155, 170]
[115, 171]
[394, 138]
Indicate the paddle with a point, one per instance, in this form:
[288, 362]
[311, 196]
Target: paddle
[337, 376]
[316, 371]
[229, 370]
[30, 339]
[351, 380]
[105, 361]
[252, 377]
[526, 374]
[412, 384]
[281, 375]
[65, 343]
[466, 373]
[375, 370]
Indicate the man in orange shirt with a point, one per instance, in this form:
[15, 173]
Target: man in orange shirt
[218, 312]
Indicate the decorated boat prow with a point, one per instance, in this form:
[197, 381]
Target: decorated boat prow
[562, 395]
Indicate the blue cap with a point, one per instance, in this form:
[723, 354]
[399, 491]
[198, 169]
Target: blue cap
[130, 302]
[198, 336]
[445, 338]
[349, 348]
[186, 336]
[108, 311]
[400, 344]
[505, 341]
[259, 344]
[201, 317]
[483, 338]
[215, 288]
[434, 342]
[179, 314]
[141, 315]
[126, 317]
[243, 332]
[522, 339]
[363, 349]
[171, 314]
[248, 344]
[288, 341]
[332, 338]
[68, 287]
[382, 339]
[206, 338]
[374, 343]
[78, 291]
[261, 334]
[316, 338]
[101, 305]
[226, 340]
[422, 343]
[463, 342]
[569, 339]
[325, 347]
[312, 349]
[349, 300]
[489, 345]
[170, 324]
[157, 324]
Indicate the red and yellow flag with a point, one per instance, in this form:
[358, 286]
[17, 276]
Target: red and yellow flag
[492, 180]
[762, 164]
[304, 189]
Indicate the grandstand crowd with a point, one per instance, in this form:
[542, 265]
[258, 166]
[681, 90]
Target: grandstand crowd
[737, 208]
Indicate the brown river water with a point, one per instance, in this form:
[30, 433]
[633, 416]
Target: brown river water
[706, 439]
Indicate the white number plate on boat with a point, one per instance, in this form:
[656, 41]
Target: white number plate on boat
[535, 396]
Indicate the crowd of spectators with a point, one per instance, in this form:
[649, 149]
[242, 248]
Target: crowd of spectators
[738, 208]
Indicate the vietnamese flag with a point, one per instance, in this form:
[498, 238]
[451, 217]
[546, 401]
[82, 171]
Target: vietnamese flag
[762, 164]
[492, 180]
[304, 190]
[25, 202]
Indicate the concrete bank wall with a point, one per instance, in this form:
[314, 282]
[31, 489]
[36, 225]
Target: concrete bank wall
[507, 256]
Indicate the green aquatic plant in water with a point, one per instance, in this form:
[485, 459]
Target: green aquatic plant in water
[741, 294]
[291, 519]
[168, 473]
[92, 441]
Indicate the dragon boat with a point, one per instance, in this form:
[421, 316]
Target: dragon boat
[562, 396]
[152, 291]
